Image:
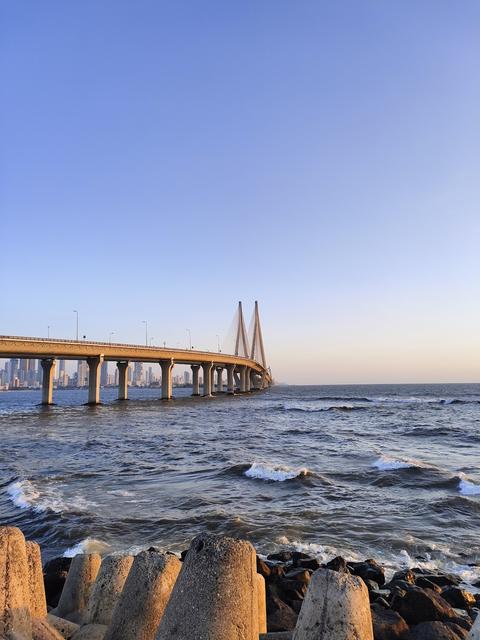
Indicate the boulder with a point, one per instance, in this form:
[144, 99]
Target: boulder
[107, 588]
[475, 630]
[337, 564]
[459, 598]
[38, 602]
[443, 579]
[281, 556]
[388, 624]
[436, 630]
[64, 627]
[215, 594]
[54, 575]
[280, 616]
[15, 619]
[407, 575]
[263, 568]
[336, 607]
[425, 583]
[147, 590]
[262, 604]
[78, 585]
[368, 570]
[43, 630]
[313, 564]
[417, 605]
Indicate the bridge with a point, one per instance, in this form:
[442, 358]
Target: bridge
[246, 368]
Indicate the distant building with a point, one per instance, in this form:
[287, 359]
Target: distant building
[138, 374]
[186, 377]
[82, 373]
[104, 374]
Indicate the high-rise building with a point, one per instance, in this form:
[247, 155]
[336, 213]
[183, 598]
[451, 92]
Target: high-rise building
[138, 374]
[13, 371]
[82, 373]
[186, 377]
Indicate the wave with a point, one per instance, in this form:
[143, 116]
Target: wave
[310, 409]
[387, 463]
[274, 473]
[467, 487]
[343, 399]
[26, 495]
[89, 545]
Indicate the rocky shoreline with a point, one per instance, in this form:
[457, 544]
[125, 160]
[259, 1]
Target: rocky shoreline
[220, 589]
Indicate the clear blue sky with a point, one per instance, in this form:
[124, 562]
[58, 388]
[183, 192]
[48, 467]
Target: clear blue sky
[161, 161]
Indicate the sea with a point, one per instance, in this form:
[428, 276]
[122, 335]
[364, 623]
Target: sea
[390, 472]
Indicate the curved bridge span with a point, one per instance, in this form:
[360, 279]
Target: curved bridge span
[244, 372]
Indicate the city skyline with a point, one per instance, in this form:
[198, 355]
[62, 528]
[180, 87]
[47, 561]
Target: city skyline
[321, 158]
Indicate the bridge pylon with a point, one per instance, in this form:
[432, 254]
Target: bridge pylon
[257, 351]
[241, 341]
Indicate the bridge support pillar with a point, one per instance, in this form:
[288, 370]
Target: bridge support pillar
[243, 379]
[212, 380]
[166, 366]
[219, 379]
[248, 380]
[48, 368]
[254, 380]
[195, 379]
[207, 378]
[94, 379]
[230, 379]
[122, 379]
[236, 377]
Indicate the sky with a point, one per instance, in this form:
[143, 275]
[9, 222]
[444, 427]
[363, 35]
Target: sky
[161, 161]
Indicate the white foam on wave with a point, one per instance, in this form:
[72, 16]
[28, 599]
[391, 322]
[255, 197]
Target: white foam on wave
[26, 495]
[467, 487]
[275, 473]
[89, 545]
[387, 463]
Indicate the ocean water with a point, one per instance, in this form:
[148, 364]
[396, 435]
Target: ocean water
[390, 472]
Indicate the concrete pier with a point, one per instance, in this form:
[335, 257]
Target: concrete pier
[122, 366]
[195, 379]
[48, 369]
[207, 378]
[230, 379]
[248, 382]
[219, 379]
[243, 379]
[94, 379]
[166, 366]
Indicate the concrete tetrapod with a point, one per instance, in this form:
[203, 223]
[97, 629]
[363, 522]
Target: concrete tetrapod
[64, 627]
[336, 607]
[474, 633]
[144, 597]
[38, 602]
[15, 620]
[215, 597]
[43, 630]
[262, 604]
[78, 585]
[107, 588]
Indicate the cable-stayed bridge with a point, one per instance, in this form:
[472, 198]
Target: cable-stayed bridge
[245, 364]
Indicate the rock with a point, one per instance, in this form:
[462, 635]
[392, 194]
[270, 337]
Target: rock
[107, 588]
[377, 594]
[417, 605]
[388, 624]
[15, 619]
[368, 570]
[215, 594]
[382, 602]
[312, 564]
[406, 575]
[54, 575]
[475, 630]
[457, 597]
[425, 583]
[280, 616]
[443, 579]
[281, 556]
[371, 585]
[336, 607]
[43, 630]
[276, 635]
[64, 627]
[337, 564]
[299, 556]
[263, 568]
[262, 604]
[38, 602]
[91, 632]
[145, 595]
[434, 630]
[299, 575]
[78, 585]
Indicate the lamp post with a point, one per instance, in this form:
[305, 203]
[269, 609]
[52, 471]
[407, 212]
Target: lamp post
[218, 343]
[110, 336]
[75, 311]
[146, 332]
[48, 331]
[189, 338]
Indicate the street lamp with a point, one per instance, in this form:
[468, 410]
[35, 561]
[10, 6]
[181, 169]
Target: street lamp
[146, 332]
[189, 337]
[48, 331]
[218, 344]
[75, 311]
[110, 336]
